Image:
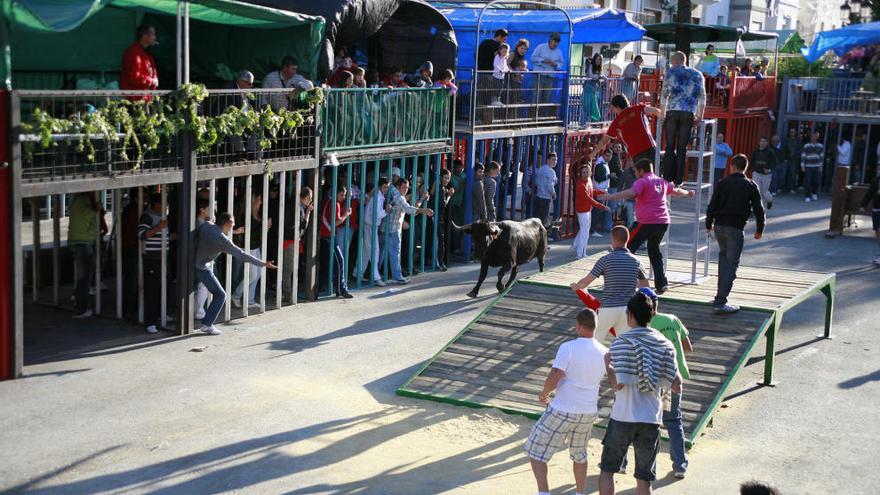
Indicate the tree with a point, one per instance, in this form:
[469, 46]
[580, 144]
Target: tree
[683, 36]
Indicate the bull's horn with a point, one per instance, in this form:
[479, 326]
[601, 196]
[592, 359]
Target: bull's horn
[456, 227]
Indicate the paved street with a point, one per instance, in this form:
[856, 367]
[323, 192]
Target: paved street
[302, 400]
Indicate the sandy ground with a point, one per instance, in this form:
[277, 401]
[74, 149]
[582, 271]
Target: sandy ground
[302, 400]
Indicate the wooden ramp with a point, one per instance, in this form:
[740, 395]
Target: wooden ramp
[503, 356]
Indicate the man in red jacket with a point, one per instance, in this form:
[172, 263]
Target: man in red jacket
[138, 66]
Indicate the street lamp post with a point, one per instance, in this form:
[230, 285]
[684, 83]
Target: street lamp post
[855, 11]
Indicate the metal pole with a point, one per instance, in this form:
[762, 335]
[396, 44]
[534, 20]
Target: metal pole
[35, 249]
[359, 263]
[140, 273]
[163, 293]
[179, 45]
[117, 229]
[294, 291]
[282, 204]
[331, 226]
[423, 221]
[99, 215]
[264, 240]
[227, 282]
[245, 280]
[212, 216]
[867, 152]
[56, 250]
[439, 195]
[186, 43]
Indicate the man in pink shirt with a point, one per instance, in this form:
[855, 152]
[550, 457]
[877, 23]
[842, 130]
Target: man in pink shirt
[652, 215]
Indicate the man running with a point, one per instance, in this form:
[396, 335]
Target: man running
[630, 126]
[652, 214]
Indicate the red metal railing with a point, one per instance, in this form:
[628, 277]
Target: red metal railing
[577, 148]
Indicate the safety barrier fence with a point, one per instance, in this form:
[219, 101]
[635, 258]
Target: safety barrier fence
[851, 96]
[376, 226]
[362, 119]
[514, 100]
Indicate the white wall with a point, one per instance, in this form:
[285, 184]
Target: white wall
[712, 12]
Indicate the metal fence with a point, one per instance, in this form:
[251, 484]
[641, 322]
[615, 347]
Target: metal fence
[259, 146]
[360, 119]
[364, 238]
[82, 149]
[518, 99]
[851, 96]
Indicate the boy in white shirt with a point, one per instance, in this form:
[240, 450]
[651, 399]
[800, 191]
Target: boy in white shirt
[374, 211]
[577, 370]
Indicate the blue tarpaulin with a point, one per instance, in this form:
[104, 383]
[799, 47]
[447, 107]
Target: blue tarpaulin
[589, 25]
[842, 40]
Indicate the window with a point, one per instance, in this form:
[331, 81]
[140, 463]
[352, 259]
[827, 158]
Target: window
[757, 26]
[720, 21]
[621, 4]
[652, 16]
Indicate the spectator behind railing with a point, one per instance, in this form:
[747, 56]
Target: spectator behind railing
[500, 69]
[710, 64]
[519, 54]
[285, 77]
[345, 80]
[591, 89]
[393, 78]
[722, 85]
[547, 57]
[139, 70]
[445, 81]
[422, 77]
[359, 77]
[747, 69]
[631, 77]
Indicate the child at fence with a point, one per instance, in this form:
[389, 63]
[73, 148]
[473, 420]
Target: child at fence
[500, 70]
[590, 91]
[374, 212]
[445, 81]
[329, 224]
[584, 203]
[601, 181]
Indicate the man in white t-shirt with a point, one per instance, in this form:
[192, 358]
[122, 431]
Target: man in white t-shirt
[577, 370]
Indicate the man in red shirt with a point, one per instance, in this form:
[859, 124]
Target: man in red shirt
[138, 66]
[630, 126]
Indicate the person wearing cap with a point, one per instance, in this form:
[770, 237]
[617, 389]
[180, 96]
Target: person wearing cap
[422, 77]
[547, 57]
[641, 366]
[674, 330]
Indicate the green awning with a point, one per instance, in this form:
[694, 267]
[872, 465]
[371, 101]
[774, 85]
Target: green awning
[225, 36]
[666, 33]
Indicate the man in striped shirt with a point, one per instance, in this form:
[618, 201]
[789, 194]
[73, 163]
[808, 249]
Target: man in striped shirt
[812, 159]
[640, 365]
[153, 231]
[623, 273]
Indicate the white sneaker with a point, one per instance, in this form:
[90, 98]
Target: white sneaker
[211, 330]
[92, 291]
[815, 198]
[85, 314]
[807, 199]
[236, 302]
[596, 234]
[679, 475]
[152, 329]
[379, 283]
[253, 305]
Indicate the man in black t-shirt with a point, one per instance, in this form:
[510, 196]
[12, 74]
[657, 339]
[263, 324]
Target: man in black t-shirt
[485, 59]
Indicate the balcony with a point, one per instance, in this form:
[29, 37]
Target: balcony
[850, 96]
[522, 100]
[127, 138]
[369, 121]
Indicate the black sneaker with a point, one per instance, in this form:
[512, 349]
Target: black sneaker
[346, 295]
[661, 290]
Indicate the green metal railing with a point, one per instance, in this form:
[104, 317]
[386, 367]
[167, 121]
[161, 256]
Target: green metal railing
[358, 118]
[419, 247]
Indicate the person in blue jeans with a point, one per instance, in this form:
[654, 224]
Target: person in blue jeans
[674, 330]
[211, 240]
[732, 201]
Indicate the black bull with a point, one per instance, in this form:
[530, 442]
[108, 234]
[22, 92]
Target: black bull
[506, 244]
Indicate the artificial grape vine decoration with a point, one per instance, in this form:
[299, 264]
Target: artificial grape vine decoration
[140, 125]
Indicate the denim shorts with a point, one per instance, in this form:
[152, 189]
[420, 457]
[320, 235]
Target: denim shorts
[645, 439]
